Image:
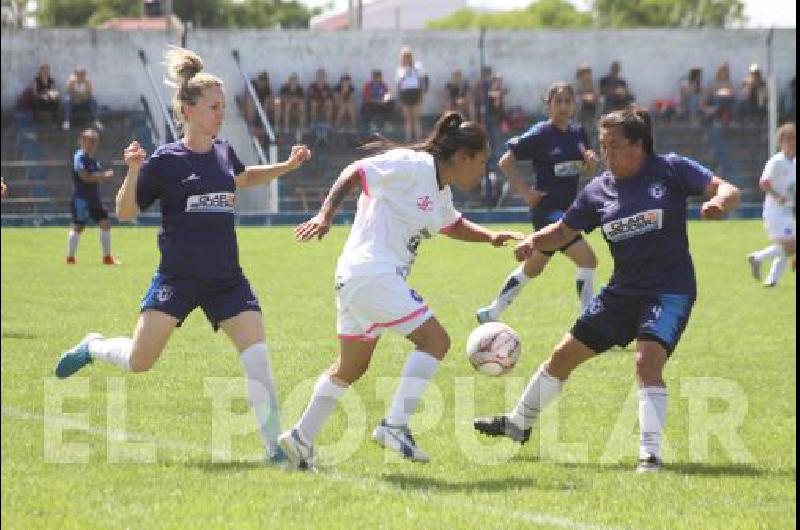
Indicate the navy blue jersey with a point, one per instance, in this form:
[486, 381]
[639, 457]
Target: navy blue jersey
[196, 191]
[557, 158]
[84, 190]
[643, 219]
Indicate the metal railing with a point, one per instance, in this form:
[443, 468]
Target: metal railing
[162, 105]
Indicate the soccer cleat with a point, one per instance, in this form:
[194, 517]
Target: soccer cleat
[755, 267]
[484, 315]
[73, 360]
[501, 426]
[298, 453]
[649, 464]
[111, 260]
[277, 458]
[71, 260]
[398, 438]
[771, 284]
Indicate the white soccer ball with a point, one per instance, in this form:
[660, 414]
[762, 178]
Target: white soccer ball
[493, 348]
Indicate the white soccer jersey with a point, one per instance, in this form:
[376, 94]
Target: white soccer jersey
[400, 205]
[781, 173]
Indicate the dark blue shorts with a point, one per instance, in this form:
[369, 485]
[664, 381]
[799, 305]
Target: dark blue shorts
[616, 319]
[542, 217]
[219, 299]
[85, 209]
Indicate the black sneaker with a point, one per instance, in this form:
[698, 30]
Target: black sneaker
[501, 426]
[649, 464]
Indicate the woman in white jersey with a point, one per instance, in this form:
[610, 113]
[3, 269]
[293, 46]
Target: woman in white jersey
[778, 183]
[405, 198]
[410, 86]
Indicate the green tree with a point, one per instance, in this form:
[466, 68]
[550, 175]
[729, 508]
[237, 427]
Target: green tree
[668, 13]
[541, 14]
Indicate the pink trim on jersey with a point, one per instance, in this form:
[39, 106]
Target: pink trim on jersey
[449, 228]
[763, 179]
[359, 338]
[363, 175]
[413, 314]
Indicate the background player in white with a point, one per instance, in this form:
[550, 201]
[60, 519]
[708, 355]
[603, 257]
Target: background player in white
[778, 182]
[194, 180]
[405, 198]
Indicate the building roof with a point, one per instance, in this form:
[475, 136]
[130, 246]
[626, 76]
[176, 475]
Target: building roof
[160, 23]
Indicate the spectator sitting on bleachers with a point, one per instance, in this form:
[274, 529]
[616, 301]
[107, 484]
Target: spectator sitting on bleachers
[722, 96]
[753, 106]
[80, 98]
[345, 108]
[458, 95]
[489, 96]
[615, 90]
[292, 102]
[263, 89]
[586, 96]
[45, 94]
[692, 96]
[789, 102]
[378, 103]
[320, 98]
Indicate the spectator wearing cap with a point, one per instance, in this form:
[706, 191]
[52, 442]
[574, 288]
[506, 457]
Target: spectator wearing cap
[753, 106]
[344, 96]
[263, 90]
[80, 99]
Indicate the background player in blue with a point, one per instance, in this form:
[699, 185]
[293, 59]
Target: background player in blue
[640, 205]
[85, 203]
[559, 151]
[195, 179]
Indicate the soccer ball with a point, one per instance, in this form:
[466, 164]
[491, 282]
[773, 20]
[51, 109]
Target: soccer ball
[493, 348]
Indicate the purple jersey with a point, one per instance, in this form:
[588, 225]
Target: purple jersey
[84, 190]
[557, 158]
[643, 219]
[196, 191]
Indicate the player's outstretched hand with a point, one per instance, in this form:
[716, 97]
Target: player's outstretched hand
[524, 249]
[501, 238]
[134, 155]
[712, 210]
[317, 227]
[300, 153]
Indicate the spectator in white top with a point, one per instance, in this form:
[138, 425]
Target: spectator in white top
[410, 87]
[80, 98]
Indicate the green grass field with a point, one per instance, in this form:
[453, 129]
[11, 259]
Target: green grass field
[731, 430]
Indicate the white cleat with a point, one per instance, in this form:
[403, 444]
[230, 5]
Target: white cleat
[299, 453]
[399, 439]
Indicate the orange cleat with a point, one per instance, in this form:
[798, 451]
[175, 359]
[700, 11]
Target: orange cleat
[71, 260]
[111, 260]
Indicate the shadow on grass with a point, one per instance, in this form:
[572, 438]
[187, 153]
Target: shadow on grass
[678, 468]
[494, 484]
[18, 335]
[229, 467]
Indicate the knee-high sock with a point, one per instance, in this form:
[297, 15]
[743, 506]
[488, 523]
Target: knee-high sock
[322, 404]
[105, 242]
[116, 351]
[261, 392]
[772, 251]
[72, 243]
[512, 286]
[541, 390]
[417, 372]
[778, 266]
[584, 281]
[652, 419]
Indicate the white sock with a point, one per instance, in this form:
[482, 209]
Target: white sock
[584, 281]
[418, 370]
[116, 351]
[772, 251]
[72, 243]
[511, 289]
[261, 393]
[105, 242]
[652, 419]
[775, 272]
[541, 390]
[322, 404]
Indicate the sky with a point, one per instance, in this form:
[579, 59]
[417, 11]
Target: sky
[761, 13]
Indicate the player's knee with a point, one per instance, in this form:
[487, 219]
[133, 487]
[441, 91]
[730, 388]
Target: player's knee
[77, 229]
[141, 362]
[436, 344]
[648, 369]
[589, 262]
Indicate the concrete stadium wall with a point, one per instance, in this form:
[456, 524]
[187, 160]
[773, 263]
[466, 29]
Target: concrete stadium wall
[652, 60]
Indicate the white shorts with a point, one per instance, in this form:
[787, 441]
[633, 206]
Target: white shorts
[780, 224]
[369, 305]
